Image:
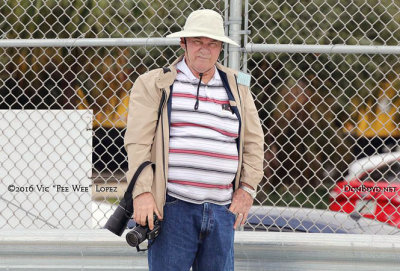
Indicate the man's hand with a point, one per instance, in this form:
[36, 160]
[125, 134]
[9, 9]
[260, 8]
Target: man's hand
[144, 207]
[241, 203]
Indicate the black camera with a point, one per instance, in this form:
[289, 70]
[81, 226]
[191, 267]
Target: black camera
[119, 219]
[139, 233]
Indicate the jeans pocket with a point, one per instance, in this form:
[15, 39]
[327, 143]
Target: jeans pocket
[226, 208]
[170, 200]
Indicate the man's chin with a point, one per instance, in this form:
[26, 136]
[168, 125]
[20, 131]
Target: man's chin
[203, 69]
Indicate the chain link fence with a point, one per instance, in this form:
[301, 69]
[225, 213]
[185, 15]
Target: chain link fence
[328, 117]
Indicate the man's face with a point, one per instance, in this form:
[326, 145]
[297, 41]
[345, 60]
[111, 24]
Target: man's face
[201, 53]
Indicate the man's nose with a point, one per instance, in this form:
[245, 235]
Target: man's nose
[205, 49]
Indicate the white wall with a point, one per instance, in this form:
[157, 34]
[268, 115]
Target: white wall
[40, 149]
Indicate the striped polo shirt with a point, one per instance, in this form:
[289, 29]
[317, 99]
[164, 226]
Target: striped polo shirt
[203, 155]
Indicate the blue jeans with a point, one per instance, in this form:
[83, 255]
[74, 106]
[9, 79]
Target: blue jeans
[193, 235]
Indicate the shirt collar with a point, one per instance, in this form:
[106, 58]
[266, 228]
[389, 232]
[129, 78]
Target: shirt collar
[183, 68]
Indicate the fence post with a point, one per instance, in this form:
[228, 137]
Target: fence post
[235, 25]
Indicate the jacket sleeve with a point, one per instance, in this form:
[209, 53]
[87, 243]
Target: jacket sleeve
[253, 142]
[141, 126]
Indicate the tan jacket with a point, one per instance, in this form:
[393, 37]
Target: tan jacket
[148, 140]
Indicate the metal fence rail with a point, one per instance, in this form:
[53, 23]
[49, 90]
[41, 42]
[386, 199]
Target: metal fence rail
[324, 78]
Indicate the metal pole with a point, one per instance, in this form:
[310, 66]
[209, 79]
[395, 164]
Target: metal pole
[246, 34]
[88, 42]
[322, 49]
[226, 29]
[235, 23]
[234, 51]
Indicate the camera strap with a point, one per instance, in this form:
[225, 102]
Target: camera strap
[129, 190]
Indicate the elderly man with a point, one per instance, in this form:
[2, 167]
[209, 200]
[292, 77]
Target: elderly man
[197, 122]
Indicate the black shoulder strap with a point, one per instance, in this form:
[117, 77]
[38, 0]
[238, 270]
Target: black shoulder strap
[165, 70]
[129, 190]
[160, 106]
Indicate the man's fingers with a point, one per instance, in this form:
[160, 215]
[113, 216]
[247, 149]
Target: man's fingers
[157, 213]
[144, 207]
[236, 223]
[150, 220]
[143, 219]
[244, 219]
[239, 220]
[233, 208]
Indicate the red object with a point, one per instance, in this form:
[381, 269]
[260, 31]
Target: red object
[375, 200]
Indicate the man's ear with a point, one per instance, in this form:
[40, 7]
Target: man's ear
[182, 43]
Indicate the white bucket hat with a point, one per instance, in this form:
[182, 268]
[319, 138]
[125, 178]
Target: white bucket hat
[204, 23]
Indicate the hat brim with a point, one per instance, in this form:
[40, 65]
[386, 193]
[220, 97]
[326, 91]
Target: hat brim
[189, 34]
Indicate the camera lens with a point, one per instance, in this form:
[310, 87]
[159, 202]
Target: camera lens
[136, 236]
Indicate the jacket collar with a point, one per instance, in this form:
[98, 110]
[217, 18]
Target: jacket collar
[165, 80]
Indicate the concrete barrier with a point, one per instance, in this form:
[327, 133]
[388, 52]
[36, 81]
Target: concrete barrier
[101, 250]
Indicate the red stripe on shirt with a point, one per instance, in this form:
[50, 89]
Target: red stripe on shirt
[204, 185]
[232, 157]
[183, 95]
[181, 124]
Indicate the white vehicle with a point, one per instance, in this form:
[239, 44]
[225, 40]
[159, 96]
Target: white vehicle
[367, 163]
